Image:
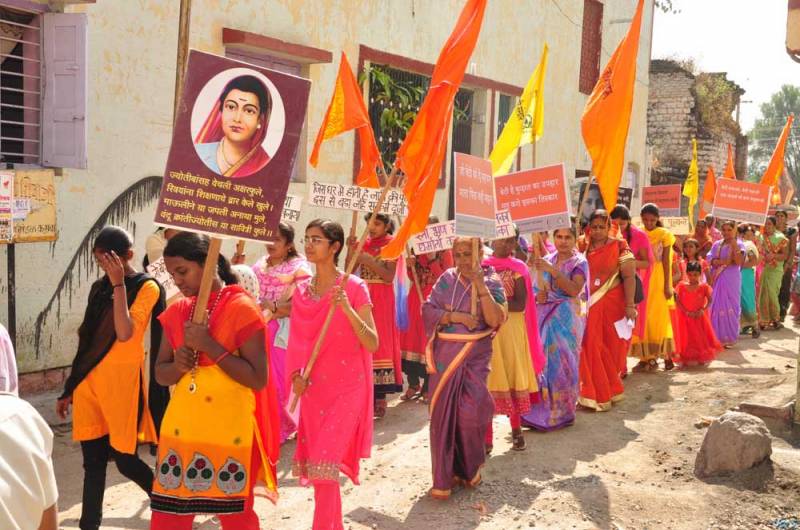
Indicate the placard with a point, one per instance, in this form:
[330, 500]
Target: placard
[440, 236]
[538, 199]
[594, 200]
[6, 206]
[356, 198]
[474, 197]
[158, 270]
[291, 208]
[233, 149]
[35, 190]
[667, 198]
[745, 202]
[679, 226]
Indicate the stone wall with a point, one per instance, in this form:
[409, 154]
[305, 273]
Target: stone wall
[672, 122]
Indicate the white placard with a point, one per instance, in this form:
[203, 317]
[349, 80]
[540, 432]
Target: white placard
[356, 198]
[158, 270]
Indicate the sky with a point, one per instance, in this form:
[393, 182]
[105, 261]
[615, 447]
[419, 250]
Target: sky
[745, 38]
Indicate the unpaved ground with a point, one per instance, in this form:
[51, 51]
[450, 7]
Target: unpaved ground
[628, 468]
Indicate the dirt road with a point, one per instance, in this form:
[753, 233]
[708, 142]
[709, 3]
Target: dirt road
[628, 468]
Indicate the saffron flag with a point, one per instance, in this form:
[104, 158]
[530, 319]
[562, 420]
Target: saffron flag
[607, 115]
[525, 125]
[421, 154]
[709, 191]
[730, 170]
[692, 185]
[774, 170]
[346, 112]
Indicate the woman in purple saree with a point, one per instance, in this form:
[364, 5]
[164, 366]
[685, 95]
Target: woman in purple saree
[726, 256]
[457, 357]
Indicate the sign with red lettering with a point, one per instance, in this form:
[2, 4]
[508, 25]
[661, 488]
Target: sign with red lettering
[667, 198]
[538, 199]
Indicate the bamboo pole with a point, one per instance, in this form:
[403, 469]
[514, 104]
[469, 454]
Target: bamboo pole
[209, 271]
[354, 224]
[537, 253]
[349, 270]
[184, 24]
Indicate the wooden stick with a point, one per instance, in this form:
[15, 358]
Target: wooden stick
[415, 277]
[354, 224]
[474, 297]
[350, 266]
[537, 253]
[209, 272]
[184, 23]
[240, 248]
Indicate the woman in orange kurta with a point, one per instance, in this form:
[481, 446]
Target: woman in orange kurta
[110, 413]
[220, 433]
[612, 288]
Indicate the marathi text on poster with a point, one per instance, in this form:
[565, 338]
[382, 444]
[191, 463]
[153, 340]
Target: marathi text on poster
[356, 198]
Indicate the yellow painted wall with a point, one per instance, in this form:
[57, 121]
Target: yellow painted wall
[132, 47]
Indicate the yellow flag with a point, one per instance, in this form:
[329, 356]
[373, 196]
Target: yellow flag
[526, 123]
[692, 185]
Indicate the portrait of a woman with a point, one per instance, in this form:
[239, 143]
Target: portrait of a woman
[230, 140]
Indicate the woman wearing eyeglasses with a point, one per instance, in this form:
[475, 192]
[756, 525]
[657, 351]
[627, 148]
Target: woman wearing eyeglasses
[611, 290]
[335, 428]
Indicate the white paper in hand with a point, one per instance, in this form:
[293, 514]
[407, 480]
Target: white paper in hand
[624, 328]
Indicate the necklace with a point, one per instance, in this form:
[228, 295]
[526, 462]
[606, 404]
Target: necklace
[193, 382]
[312, 286]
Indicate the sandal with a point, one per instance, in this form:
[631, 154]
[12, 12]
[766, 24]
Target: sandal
[489, 449]
[518, 440]
[380, 408]
[668, 365]
[410, 393]
[641, 367]
[777, 325]
[756, 332]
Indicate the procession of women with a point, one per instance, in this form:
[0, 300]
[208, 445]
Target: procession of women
[490, 330]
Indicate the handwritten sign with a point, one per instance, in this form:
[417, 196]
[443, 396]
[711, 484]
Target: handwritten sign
[474, 197]
[356, 198]
[225, 191]
[745, 202]
[440, 236]
[538, 199]
[37, 188]
[679, 226]
[158, 270]
[291, 208]
[667, 198]
[6, 206]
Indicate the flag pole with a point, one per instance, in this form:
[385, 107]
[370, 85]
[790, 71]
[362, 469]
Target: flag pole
[349, 270]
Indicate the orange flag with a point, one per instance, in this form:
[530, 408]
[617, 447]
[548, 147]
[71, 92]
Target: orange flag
[346, 112]
[421, 155]
[730, 170]
[775, 168]
[709, 191]
[607, 115]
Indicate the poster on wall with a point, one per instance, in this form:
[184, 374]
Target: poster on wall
[233, 151]
[6, 206]
[34, 206]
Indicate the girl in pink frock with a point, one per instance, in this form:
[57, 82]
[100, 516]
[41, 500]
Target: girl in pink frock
[335, 428]
[697, 342]
[278, 274]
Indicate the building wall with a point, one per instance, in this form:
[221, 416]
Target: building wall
[673, 122]
[132, 47]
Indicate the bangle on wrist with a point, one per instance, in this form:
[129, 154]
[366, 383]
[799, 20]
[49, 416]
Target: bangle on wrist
[118, 285]
[224, 354]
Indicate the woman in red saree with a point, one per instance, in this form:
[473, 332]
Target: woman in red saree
[335, 428]
[379, 274]
[611, 293]
[230, 141]
[220, 432]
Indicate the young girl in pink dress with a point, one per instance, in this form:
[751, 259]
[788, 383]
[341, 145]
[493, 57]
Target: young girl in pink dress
[698, 343]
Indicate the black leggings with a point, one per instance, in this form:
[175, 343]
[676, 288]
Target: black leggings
[785, 294]
[95, 460]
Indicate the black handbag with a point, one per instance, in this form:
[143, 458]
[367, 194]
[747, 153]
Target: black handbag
[638, 294]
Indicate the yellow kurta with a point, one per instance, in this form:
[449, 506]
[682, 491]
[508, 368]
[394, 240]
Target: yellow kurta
[657, 340]
[107, 400]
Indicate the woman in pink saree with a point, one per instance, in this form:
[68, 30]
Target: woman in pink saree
[229, 143]
[639, 245]
[457, 357]
[335, 428]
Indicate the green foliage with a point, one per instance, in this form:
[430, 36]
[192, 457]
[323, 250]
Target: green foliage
[767, 129]
[716, 101]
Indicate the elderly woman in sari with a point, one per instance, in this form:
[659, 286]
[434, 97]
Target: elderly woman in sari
[230, 141]
[727, 257]
[458, 358]
[561, 324]
[612, 288]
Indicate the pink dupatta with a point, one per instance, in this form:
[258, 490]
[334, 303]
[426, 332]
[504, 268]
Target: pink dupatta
[534, 341]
